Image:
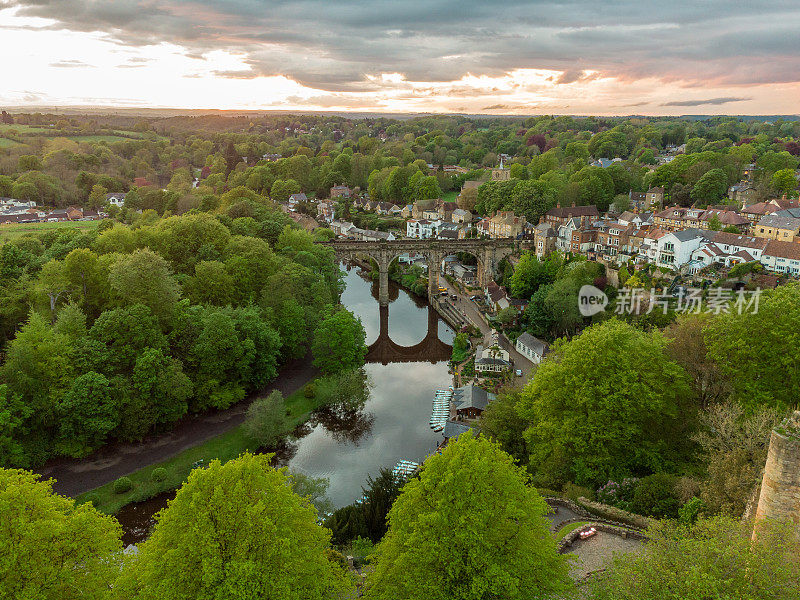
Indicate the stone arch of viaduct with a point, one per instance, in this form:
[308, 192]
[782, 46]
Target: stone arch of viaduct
[488, 252]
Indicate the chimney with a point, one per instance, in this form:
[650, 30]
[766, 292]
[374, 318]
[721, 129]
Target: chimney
[558, 204]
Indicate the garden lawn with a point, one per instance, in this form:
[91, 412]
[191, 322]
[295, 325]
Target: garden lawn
[9, 232]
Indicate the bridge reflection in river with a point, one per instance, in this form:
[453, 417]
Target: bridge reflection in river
[393, 424]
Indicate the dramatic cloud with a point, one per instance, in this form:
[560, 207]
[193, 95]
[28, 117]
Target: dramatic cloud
[713, 101]
[423, 51]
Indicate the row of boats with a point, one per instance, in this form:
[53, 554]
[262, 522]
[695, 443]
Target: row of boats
[441, 408]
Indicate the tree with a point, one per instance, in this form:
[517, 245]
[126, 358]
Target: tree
[502, 423]
[52, 549]
[144, 277]
[469, 528]
[755, 350]
[530, 273]
[339, 342]
[733, 448]
[784, 181]
[86, 415]
[607, 404]
[234, 531]
[621, 203]
[687, 346]
[714, 224]
[714, 558]
[211, 284]
[97, 197]
[282, 189]
[710, 187]
[266, 420]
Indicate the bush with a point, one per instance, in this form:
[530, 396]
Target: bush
[612, 513]
[573, 492]
[310, 390]
[655, 496]
[619, 494]
[93, 499]
[122, 485]
[158, 474]
[689, 512]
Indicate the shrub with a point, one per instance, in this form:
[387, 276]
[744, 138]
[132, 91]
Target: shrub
[93, 499]
[158, 474]
[689, 512]
[122, 485]
[573, 491]
[310, 390]
[619, 494]
[655, 496]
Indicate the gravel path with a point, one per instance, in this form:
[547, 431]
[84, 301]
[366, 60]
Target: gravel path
[596, 552]
[74, 477]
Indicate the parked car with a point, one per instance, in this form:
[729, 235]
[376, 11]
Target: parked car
[444, 293]
[453, 296]
[519, 372]
[475, 297]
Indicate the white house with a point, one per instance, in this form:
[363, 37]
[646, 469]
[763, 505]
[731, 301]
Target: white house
[675, 249]
[531, 348]
[782, 257]
[730, 248]
[116, 199]
[422, 228]
[491, 357]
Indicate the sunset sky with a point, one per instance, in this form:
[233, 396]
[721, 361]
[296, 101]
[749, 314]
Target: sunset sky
[571, 57]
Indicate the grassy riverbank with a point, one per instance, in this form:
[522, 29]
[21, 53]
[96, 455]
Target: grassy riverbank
[223, 447]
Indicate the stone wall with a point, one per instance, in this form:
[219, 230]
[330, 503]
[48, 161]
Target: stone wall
[780, 488]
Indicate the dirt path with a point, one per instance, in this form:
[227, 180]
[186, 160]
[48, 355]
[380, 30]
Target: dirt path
[75, 477]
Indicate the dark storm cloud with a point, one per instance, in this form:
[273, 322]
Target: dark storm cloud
[333, 45]
[714, 101]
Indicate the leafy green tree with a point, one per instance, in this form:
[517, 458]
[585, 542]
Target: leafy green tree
[339, 342]
[266, 420]
[755, 351]
[282, 189]
[530, 273]
[87, 413]
[502, 423]
[124, 333]
[144, 277]
[784, 181]
[710, 187]
[469, 527]
[714, 558]
[211, 284]
[234, 531]
[51, 549]
[605, 405]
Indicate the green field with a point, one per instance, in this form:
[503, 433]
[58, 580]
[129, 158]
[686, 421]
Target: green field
[9, 232]
[223, 447]
[6, 143]
[23, 129]
[450, 196]
[97, 138]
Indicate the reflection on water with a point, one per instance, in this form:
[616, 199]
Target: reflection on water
[396, 415]
[346, 444]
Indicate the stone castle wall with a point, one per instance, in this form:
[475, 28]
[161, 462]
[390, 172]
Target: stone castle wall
[780, 488]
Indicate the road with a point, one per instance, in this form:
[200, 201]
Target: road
[473, 313]
[74, 477]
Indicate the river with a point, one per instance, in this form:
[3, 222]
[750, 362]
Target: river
[392, 426]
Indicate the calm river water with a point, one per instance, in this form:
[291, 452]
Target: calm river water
[393, 424]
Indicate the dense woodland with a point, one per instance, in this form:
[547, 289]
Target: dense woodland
[196, 301]
[54, 160]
